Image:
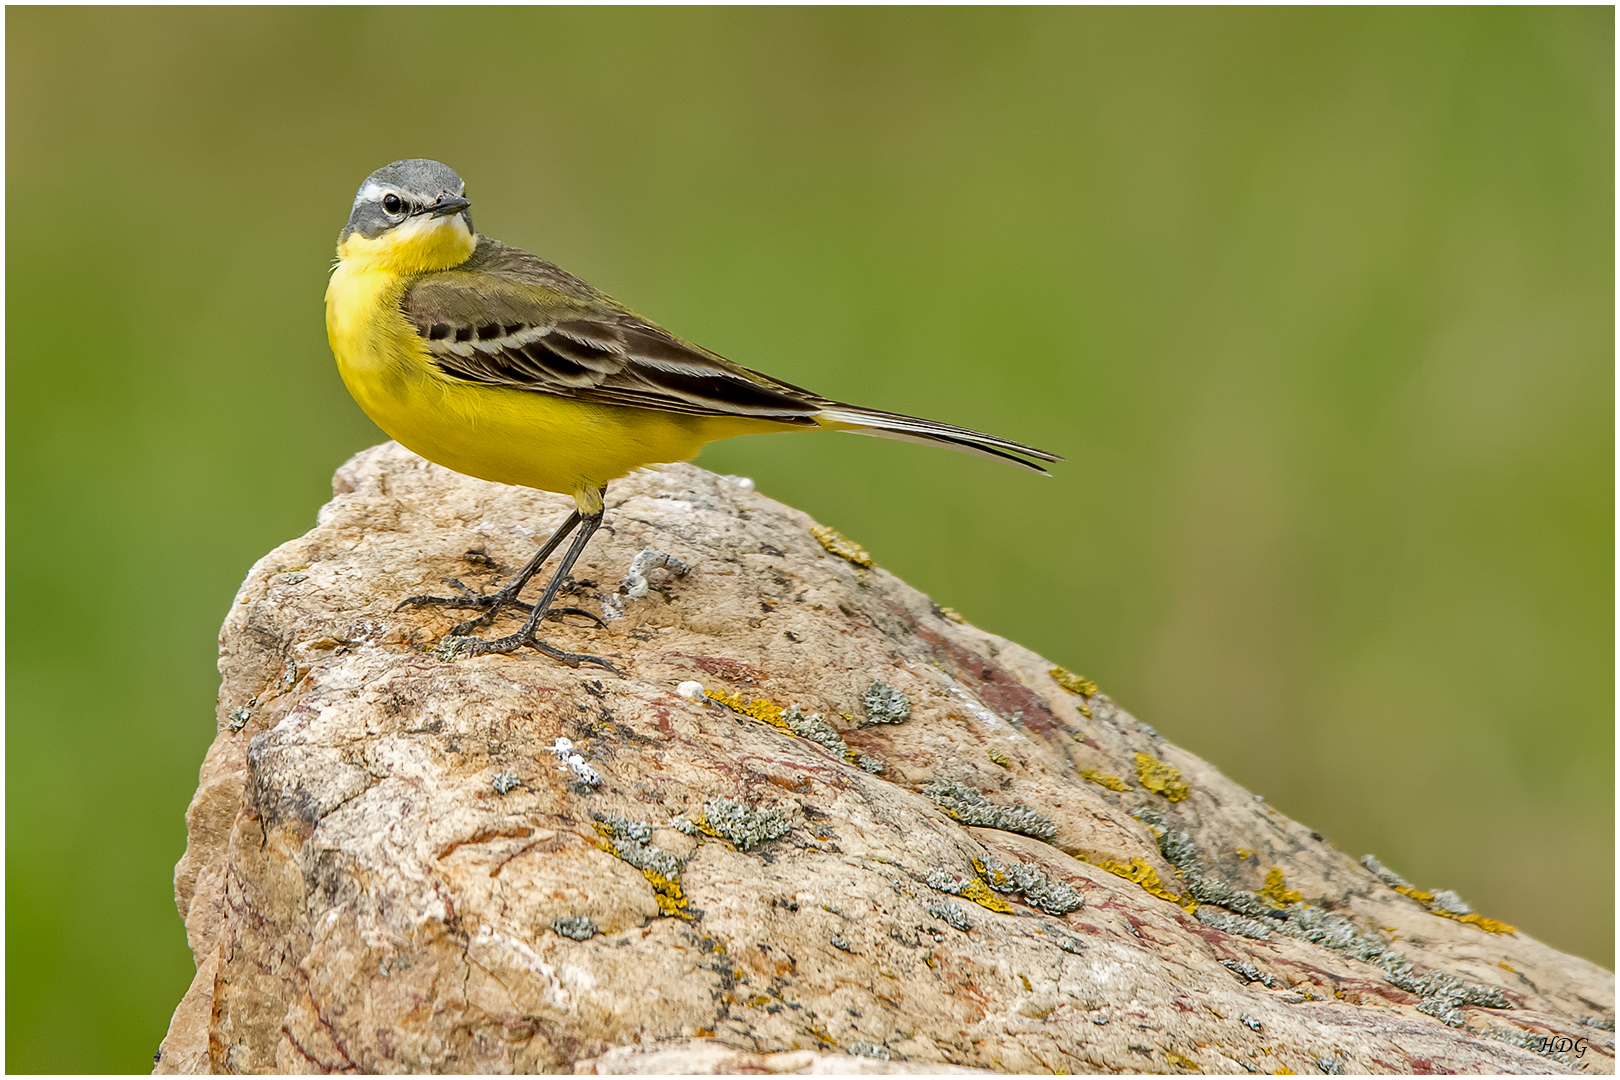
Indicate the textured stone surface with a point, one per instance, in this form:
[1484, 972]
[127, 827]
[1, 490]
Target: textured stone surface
[390, 864]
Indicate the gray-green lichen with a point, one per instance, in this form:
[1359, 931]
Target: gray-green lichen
[1449, 902]
[503, 782]
[1022, 879]
[866, 1049]
[1442, 995]
[885, 705]
[744, 827]
[1384, 873]
[1181, 852]
[239, 716]
[816, 729]
[632, 841]
[952, 914]
[1210, 915]
[969, 806]
[1248, 973]
[578, 927]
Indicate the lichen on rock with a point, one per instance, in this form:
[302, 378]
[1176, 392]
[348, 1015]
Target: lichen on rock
[970, 806]
[746, 828]
[1161, 778]
[885, 705]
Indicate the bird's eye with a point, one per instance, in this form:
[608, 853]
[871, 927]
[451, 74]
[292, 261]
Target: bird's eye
[393, 204]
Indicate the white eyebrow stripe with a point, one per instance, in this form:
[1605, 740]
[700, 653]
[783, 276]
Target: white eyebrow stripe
[373, 191]
[370, 193]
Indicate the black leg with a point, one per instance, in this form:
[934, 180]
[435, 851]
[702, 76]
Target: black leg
[459, 639]
[495, 602]
[526, 636]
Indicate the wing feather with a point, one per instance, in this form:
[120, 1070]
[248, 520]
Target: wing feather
[508, 318]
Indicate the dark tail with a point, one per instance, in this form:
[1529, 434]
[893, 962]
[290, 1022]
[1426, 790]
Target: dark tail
[886, 425]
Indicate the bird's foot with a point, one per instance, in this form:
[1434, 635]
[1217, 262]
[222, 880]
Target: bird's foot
[491, 603]
[455, 645]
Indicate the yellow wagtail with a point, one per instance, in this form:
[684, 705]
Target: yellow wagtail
[497, 364]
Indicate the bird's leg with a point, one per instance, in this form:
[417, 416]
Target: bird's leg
[506, 597]
[525, 636]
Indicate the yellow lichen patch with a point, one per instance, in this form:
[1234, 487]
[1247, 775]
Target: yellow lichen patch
[759, 708]
[1283, 1070]
[1160, 778]
[671, 901]
[1102, 779]
[1277, 891]
[1488, 925]
[1078, 685]
[606, 830]
[701, 824]
[1176, 1059]
[757, 1000]
[1144, 875]
[999, 757]
[978, 892]
[841, 546]
[1244, 853]
[1427, 900]
[952, 614]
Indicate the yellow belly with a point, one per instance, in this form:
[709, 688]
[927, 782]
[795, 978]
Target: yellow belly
[495, 433]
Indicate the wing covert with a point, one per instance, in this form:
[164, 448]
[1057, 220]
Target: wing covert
[507, 318]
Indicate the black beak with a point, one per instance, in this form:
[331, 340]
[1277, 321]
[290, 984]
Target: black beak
[447, 205]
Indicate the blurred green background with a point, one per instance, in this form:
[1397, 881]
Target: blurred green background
[1318, 303]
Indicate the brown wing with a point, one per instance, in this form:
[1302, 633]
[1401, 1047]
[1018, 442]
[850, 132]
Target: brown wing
[507, 318]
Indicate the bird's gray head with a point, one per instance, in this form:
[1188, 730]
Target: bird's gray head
[413, 189]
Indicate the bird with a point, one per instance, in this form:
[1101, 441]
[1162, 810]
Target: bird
[497, 364]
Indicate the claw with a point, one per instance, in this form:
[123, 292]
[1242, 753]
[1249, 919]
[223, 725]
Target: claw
[558, 612]
[573, 659]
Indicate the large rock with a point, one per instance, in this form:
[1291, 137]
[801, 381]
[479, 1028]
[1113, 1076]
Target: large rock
[936, 856]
